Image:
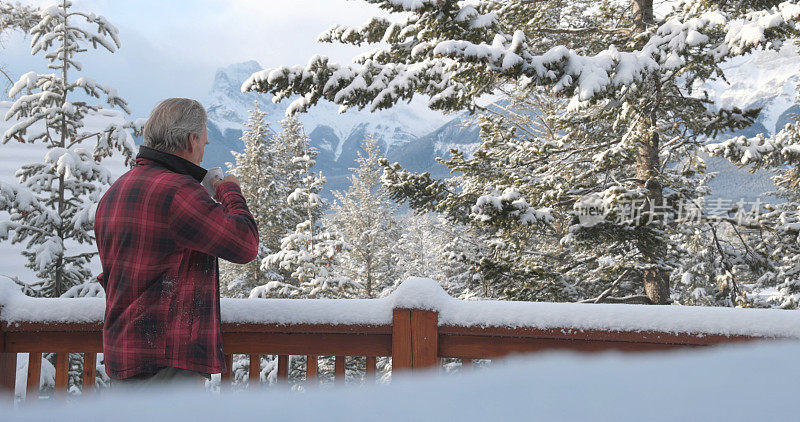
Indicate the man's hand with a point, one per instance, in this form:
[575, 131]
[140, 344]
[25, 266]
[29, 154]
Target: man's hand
[227, 178]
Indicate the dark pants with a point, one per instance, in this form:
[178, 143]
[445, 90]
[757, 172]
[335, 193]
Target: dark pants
[164, 377]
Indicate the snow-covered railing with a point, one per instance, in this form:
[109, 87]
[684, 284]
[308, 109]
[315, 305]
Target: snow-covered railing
[417, 325]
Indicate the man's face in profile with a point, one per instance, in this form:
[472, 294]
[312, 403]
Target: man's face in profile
[198, 146]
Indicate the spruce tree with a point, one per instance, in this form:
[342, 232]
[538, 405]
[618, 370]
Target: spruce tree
[433, 247]
[459, 258]
[364, 216]
[52, 209]
[418, 249]
[265, 172]
[308, 251]
[772, 248]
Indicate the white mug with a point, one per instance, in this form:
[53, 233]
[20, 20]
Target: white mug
[212, 175]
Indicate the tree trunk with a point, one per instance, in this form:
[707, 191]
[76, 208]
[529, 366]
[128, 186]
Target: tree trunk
[642, 14]
[369, 277]
[60, 231]
[59, 281]
[655, 281]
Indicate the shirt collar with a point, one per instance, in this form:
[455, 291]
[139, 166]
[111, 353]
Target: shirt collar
[172, 162]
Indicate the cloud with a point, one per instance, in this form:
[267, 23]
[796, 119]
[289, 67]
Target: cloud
[312, 10]
[285, 32]
[172, 48]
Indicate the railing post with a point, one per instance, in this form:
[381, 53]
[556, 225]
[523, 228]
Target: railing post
[283, 368]
[415, 339]
[62, 376]
[226, 378]
[8, 369]
[339, 370]
[424, 339]
[89, 373]
[254, 377]
[401, 340]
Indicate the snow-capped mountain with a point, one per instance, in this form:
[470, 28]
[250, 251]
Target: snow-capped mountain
[414, 135]
[420, 155]
[769, 80]
[766, 79]
[336, 135]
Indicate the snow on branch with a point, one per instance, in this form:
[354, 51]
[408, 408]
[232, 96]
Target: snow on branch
[26, 81]
[376, 30]
[373, 85]
[17, 16]
[376, 85]
[405, 5]
[54, 24]
[77, 164]
[19, 199]
[509, 203]
[379, 29]
[759, 151]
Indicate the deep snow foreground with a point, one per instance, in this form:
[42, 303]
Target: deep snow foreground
[731, 383]
[424, 293]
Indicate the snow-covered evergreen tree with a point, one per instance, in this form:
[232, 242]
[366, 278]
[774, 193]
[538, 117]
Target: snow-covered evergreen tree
[267, 176]
[433, 247]
[459, 258]
[418, 249]
[772, 250]
[309, 251]
[636, 115]
[52, 209]
[364, 216]
[15, 16]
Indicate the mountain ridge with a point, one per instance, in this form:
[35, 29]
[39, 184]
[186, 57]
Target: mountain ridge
[413, 135]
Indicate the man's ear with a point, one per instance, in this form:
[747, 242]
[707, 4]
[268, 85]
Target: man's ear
[190, 144]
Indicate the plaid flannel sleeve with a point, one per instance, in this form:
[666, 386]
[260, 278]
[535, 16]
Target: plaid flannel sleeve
[225, 230]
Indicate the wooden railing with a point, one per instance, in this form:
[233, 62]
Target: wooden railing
[414, 339]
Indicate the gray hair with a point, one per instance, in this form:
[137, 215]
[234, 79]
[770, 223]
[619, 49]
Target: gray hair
[170, 123]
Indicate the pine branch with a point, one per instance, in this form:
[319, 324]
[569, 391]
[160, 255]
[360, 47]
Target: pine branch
[583, 31]
[632, 300]
[604, 295]
[11, 81]
[728, 267]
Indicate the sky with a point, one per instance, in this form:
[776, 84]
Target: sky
[173, 48]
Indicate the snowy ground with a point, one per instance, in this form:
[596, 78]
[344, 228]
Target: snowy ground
[734, 383]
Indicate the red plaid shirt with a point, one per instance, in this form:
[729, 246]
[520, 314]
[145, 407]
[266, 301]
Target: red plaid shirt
[159, 234]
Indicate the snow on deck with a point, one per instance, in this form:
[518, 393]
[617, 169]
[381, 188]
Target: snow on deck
[745, 382]
[426, 294]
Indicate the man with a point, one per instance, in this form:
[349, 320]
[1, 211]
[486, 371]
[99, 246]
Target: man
[159, 234]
